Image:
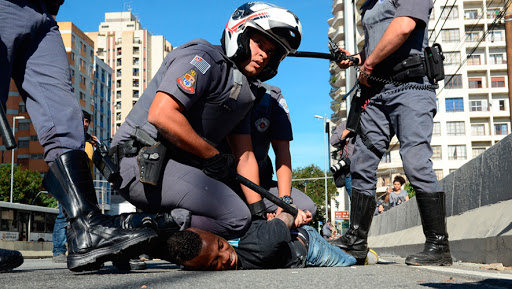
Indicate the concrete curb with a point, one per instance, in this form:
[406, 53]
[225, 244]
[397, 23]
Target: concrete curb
[482, 235]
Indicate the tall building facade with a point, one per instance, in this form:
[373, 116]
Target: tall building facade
[472, 102]
[134, 55]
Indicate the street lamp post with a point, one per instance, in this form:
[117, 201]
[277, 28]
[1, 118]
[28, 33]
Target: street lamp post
[325, 167]
[14, 118]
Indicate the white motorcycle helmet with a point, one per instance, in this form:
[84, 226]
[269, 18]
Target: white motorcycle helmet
[278, 24]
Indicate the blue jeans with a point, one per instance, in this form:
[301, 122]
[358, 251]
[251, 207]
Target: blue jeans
[59, 234]
[323, 254]
[348, 185]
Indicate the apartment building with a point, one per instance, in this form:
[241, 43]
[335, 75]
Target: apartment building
[472, 102]
[134, 55]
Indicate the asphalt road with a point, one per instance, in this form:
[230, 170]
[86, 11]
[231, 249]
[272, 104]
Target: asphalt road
[390, 272]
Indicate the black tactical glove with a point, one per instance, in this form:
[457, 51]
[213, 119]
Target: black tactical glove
[258, 210]
[219, 166]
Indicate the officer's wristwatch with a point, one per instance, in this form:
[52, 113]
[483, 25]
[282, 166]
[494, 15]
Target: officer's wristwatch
[287, 199]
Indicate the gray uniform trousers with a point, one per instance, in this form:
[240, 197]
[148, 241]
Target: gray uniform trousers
[33, 54]
[215, 207]
[409, 114]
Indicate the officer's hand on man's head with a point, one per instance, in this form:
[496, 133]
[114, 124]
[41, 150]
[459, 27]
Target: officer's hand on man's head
[219, 166]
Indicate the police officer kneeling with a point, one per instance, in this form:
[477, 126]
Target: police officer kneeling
[167, 148]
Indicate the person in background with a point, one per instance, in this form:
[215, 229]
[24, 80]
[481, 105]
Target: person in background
[327, 230]
[396, 195]
[60, 227]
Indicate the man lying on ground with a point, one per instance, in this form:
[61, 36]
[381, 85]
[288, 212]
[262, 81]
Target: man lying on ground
[266, 245]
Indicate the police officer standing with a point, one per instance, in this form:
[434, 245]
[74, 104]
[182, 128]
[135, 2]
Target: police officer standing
[168, 146]
[33, 54]
[271, 125]
[396, 33]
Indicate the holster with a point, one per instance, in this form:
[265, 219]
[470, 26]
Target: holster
[150, 160]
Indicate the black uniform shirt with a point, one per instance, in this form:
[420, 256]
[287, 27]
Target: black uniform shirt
[268, 245]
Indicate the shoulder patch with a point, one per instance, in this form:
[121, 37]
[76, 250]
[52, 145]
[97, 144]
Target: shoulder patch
[282, 103]
[200, 63]
[262, 124]
[187, 81]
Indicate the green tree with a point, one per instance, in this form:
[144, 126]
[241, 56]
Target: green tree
[410, 190]
[26, 186]
[315, 189]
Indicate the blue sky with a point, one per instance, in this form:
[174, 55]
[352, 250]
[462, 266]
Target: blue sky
[304, 82]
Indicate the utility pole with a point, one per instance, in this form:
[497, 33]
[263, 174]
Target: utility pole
[508, 42]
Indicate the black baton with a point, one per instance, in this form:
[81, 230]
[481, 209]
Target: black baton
[266, 194]
[337, 57]
[5, 130]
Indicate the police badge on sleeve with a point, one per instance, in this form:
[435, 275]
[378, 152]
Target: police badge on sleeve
[187, 82]
[262, 124]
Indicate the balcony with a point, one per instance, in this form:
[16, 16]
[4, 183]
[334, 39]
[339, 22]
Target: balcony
[338, 35]
[337, 6]
[338, 19]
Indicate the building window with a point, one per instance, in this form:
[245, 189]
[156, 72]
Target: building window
[478, 129]
[453, 81]
[502, 104]
[473, 36]
[436, 153]
[82, 95]
[135, 94]
[135, 72]
[24, 126]
[22, 144]
[454, 104]
[118, 83]
[22, 107]
[455, 128]
[386, 158]
[118, 94]
[136, 50]
[474, 60]
[135, 61]
[118, 105]
[492, 12]
[119, 51]
[500, 129]
[135, 83]
[118, 73]
[496, 59]
[439, 174]
[450, 12]
[118, 116]
[477, 151]
[436, 131]
[475, 82]
[450, 35]
[497, 81]
[457, 152]
[471, 14]
[119, 62]
[478, 105]
[451, 57]
[495, 35]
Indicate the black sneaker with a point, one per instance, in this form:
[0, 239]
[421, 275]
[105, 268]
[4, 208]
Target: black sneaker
[10, 259]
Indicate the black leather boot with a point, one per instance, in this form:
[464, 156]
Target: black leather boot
[165, 224]
[93, 238]
[355, 240]
[436, 252]
[10, 259]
